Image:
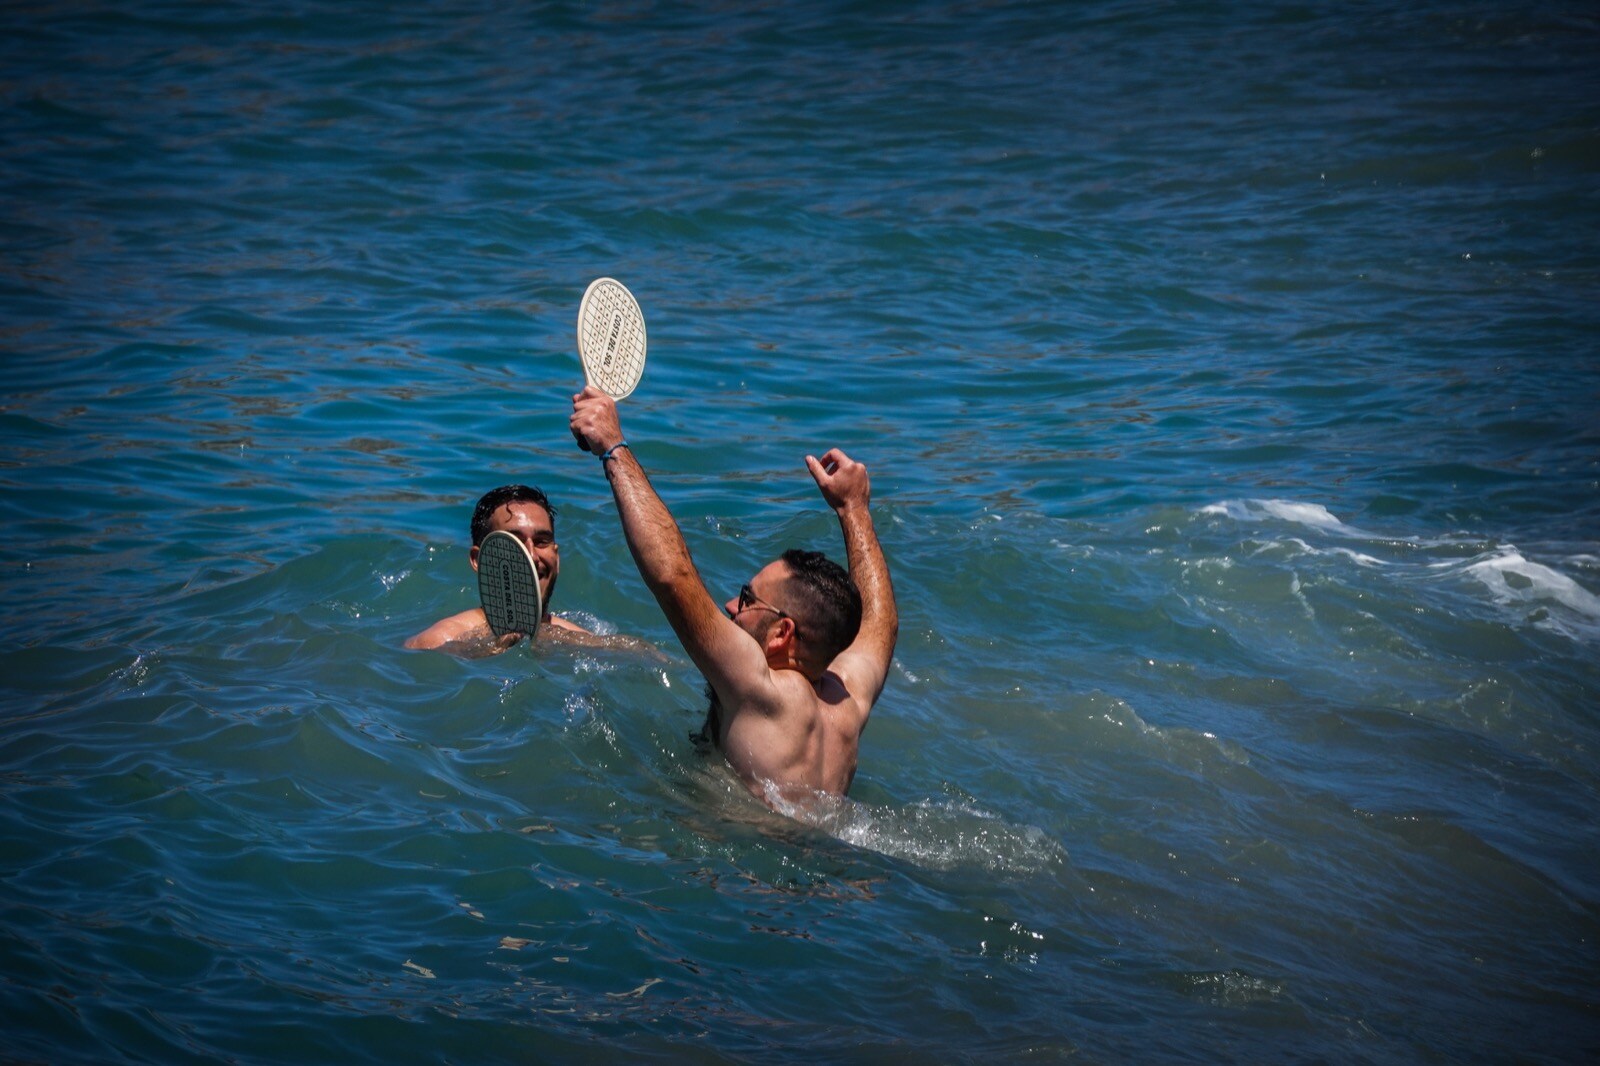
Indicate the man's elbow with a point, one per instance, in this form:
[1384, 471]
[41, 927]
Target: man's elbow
[672, 580]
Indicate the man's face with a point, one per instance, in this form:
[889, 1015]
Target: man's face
[530, 523]
[756, 612]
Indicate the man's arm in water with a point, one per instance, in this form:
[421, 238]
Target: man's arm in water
[731, 661]
[864, 665]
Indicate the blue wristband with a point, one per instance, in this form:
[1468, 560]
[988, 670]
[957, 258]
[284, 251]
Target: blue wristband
[605, 456]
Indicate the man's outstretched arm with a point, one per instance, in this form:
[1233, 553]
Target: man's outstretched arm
[864, 665]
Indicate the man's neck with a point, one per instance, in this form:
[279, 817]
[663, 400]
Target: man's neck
[794, 665]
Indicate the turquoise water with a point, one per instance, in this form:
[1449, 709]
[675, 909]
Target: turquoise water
[1228, 379]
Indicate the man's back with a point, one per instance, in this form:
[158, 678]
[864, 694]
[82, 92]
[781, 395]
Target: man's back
[811, 742]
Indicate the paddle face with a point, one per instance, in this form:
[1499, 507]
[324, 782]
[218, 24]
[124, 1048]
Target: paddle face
[611, 337]
[508, 585]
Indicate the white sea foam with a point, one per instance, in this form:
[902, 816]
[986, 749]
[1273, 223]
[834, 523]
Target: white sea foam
[939, 835]
[1513, 579]
[1316, 517]
[1313, 515]
[1547, 597]
[1360, 558]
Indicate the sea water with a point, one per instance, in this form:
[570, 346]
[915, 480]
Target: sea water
[1227, 375]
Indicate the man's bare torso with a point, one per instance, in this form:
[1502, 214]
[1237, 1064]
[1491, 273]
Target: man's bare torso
[810, 745]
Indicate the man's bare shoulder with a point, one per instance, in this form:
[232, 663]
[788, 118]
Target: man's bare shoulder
[787, 701]
[458, 627]
[468, 634]
[845, 709]
[860, 672]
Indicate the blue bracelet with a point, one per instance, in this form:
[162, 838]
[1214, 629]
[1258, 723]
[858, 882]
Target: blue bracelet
[606, 455]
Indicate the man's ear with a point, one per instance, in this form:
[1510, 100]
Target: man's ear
[472, 557]
[783, 631]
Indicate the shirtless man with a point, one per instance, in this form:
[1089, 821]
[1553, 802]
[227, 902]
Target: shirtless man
[797, 659]
[527, 514]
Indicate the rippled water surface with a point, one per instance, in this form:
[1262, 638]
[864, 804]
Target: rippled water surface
[1228, 380]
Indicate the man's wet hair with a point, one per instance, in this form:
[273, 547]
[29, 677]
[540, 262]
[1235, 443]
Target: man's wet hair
[825, 602]
[494, 499]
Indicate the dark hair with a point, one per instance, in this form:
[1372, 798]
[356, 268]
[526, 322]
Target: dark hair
[824, 599]
[495, 499]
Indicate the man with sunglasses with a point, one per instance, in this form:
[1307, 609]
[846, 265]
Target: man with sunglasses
[798, 658]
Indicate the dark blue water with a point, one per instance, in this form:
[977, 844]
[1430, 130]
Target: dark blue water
[1228, 379]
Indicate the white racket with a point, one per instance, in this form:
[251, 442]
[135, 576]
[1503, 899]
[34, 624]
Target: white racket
[611, 337]
[508, 585]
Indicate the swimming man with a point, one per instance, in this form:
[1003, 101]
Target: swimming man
[527, 514]
[797, 659]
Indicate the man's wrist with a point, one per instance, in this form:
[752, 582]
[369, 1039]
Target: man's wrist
[611, 452]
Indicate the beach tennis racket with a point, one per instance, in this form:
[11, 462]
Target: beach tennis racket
[611, 338]
[508, 585]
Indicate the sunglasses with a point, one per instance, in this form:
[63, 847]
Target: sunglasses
[749, 599]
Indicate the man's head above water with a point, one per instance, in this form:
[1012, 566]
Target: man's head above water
[527, 514]
[816, 597]
[483, 514]
[524, 512]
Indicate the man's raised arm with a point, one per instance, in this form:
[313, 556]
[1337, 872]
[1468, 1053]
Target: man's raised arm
[864, 665]
[722, 651]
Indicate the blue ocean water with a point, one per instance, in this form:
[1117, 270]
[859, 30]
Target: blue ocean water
[1228, 379]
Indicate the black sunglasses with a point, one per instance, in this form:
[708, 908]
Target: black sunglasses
[749, 599]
